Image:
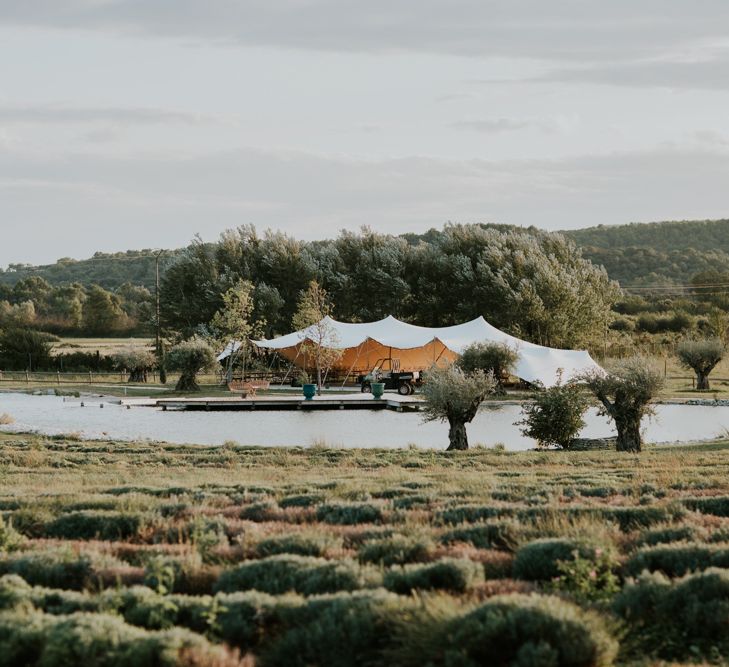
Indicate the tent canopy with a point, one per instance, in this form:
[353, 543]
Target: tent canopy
[418, 348]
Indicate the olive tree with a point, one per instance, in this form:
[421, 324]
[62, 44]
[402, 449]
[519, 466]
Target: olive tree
[320, 339]
[454, 396]
[234, 325]
[554, 417]
[498, 358]
[701, 356]
[625, 393]
[137, 362]
[191, 357]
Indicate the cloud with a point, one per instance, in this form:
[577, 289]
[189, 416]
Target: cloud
[48, 115]
[712, 74]
[592, 30]
[113, 203]
[498, 125]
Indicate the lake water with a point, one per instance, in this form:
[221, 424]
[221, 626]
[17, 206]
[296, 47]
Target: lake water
[52, 415]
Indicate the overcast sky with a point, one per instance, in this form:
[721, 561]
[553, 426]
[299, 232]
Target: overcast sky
[139, 123]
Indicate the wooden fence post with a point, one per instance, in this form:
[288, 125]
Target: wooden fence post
[90, 376]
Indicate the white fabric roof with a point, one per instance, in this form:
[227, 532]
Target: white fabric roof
[535, 363]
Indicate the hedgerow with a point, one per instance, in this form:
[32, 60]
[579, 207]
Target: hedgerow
[300, 574]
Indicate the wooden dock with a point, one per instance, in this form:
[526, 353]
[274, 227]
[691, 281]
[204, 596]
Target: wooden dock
[325, 402]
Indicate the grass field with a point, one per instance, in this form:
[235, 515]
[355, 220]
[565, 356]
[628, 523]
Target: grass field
[105, 346]
[150, 554]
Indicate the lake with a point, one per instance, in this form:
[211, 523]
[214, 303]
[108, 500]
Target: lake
[52, 415]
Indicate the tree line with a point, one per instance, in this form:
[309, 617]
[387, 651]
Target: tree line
[75, 309]
[531, 283]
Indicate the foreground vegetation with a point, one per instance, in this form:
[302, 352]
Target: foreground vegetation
[149, 554]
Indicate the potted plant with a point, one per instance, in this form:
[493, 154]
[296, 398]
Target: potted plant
[307, 385]
[378, 389]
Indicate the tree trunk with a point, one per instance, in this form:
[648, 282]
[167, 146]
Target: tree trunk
[628, 435]
[137, 375]
[187, 382]
[457, 436]
[702, 381]
[318, 377]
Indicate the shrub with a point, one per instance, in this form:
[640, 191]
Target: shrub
[13, 591]
[501, 535]
[588, 579]
[338, 630]
[554, 417]
[675, 560]
[472, 513]
[303, 544]
[142, 607]
[622, 324]
[87, 525]
[678, 620]
[667, 534]
[302, 574]
[25, 349]
[303, 500]
[630, 518]
[98, 639]
[716, 505]
[266, 510]
[54, 568]
[349, 513]
[31, 521]
[395, 550]
[246, 618]
[9, 537]
[539, 560]
[22, 635]
[448, 574]
[518, 630]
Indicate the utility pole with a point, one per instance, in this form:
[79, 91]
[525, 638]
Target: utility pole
[156, 294]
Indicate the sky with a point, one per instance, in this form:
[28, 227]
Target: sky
[129, 124]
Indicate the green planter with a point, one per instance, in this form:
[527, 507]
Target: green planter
[378, 388]
[309, 391]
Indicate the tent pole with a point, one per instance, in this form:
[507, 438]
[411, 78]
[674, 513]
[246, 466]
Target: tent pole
[441, 352]
[356, 358]
[298, 352]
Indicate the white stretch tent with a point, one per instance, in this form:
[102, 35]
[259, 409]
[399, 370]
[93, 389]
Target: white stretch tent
[418, 348]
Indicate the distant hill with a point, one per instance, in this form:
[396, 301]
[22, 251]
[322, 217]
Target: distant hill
[634, 254]
[110, 270]
[704, 235]
[656, 252]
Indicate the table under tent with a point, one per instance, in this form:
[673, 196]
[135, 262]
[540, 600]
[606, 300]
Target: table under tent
[397, 347]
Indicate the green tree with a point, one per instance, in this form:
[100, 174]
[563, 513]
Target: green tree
[701, 356]
[625, 393]
[102, 313]
[191, 357]
[554, 416]
[233, 325]
[22, 349]
[454, 396]
[320, 340]
[498, 358]
[137, 362]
